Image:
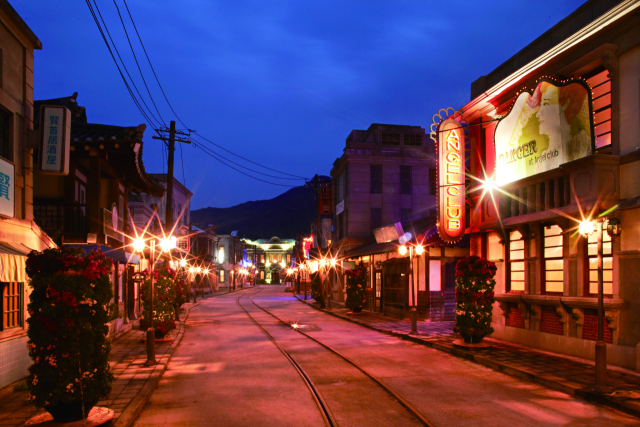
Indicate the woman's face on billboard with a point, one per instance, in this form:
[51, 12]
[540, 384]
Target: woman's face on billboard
[550, 112]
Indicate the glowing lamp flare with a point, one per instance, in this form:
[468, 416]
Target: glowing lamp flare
[323, 262]
[419, 250]
[183, 263]
[206, 271]
[138, 245]
[333, 263]
[586, 228]
[402, 250]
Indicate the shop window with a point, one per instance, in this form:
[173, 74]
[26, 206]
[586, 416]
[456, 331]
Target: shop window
[376, 178]
[12, 313]
[262, 275]
[553, 261]
[516, 261]
[435, 284]
[607, 262]
[600, 85]
[405, 179]
[378, 283]
[433, 182]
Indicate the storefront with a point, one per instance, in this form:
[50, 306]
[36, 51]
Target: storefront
[554, 144]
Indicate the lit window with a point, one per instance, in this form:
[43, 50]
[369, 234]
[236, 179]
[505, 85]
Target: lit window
[607, 262]
[262, 275]
[288, 258]
[553, 262]
[516, 261]
[261, 257]
[222, 275]
[221, 255]
[601, 90]
[12, 312]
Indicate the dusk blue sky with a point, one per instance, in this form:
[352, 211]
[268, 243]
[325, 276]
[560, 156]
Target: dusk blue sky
[281, 83]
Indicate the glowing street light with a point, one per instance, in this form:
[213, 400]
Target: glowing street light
[586, 228]
[183, 263]
[402, 250]
[138, 245]
[419, 250]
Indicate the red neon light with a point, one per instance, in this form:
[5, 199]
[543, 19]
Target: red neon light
[451, 194]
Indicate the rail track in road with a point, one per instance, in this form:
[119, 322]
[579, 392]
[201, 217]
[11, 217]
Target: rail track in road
[328, 415]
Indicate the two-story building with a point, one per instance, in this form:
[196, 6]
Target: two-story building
[271, 257]
[557, 128]
[19, 233]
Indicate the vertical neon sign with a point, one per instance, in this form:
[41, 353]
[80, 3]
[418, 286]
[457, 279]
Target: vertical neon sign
[451, 193]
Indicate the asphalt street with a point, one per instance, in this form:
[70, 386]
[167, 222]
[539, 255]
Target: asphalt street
[226, 372]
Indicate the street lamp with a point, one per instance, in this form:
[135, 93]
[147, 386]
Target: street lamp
[419, 250]
[614, 228]
[166, 244]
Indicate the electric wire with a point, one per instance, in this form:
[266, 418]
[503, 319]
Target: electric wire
[252, 170]
[184, 180]
[180, 120]
[138, 64]
[213, 155]
[123, 65]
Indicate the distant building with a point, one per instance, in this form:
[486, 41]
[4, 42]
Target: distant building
[230, 255]
[386, 174]
[271, 258]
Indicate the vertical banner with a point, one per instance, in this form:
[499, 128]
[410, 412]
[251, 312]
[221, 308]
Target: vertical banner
[7, 189]
[451, 190]
[55, 134]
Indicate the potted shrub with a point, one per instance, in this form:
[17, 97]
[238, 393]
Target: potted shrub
[474, 298]
[316, 287]
[356, 289]
[163, 301]
[68, 311]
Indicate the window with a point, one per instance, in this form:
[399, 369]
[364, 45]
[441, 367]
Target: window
[376, 218]
[435, 284]
[5, 135]
[433, 182]
[516, 261]
[262, 275]
[553, 262]
[340, 226]
[221, 254]
[262, 258]
[12, 313]
[279, 257]
[413, 140]
[607, 262]
[270, 258]
[405, 179]
[391, 138]
[376, 178]
[222, 275]
[405, 214]
[601, 90]
[288, 258]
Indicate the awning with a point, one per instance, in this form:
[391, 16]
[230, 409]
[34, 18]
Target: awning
[13, 257]
[117, 255]
[371, 249]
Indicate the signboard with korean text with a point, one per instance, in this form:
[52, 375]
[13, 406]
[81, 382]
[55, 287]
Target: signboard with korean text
[546, 127]
[7, 188]
[451, 178]
[55, 134]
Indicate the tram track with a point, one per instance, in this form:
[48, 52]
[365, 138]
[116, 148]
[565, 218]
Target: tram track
[329, 418]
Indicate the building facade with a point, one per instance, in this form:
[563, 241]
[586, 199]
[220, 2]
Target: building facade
[19, 233]
[557, 127]
[229, 260]
[271, 257]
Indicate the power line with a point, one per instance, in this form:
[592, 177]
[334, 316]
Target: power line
[171, 107]
[136, 59]
[123, 65]
[207, 151]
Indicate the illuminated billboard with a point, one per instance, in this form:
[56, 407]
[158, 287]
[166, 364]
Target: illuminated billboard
[451, 177]
[546, 128]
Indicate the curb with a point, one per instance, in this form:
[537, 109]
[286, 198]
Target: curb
[133, 409]
[573, 389]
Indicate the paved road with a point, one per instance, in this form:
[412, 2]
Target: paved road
[227, 373]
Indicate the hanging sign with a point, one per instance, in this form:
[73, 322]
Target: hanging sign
[545, 128]
[7, 188]
[55, 134]
[451, 193]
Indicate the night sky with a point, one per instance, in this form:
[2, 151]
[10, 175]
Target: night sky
[281, 83]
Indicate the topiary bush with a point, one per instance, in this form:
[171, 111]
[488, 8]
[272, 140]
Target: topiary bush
[356, 288]
[164, 297]
[68, 309]
[316, 287]
[474, 298]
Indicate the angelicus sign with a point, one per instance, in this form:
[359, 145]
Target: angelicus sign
[451, 177]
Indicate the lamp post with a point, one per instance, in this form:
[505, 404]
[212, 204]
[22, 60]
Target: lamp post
[166, 244]
[414, 312]
[614, 229]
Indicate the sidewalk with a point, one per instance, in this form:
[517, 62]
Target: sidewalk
[133, 383]
[563, 373]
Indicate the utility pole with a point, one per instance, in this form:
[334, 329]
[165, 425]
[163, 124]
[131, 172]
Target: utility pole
[171, 141]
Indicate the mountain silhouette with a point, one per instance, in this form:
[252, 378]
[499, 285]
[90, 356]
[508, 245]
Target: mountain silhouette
[286, 216]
